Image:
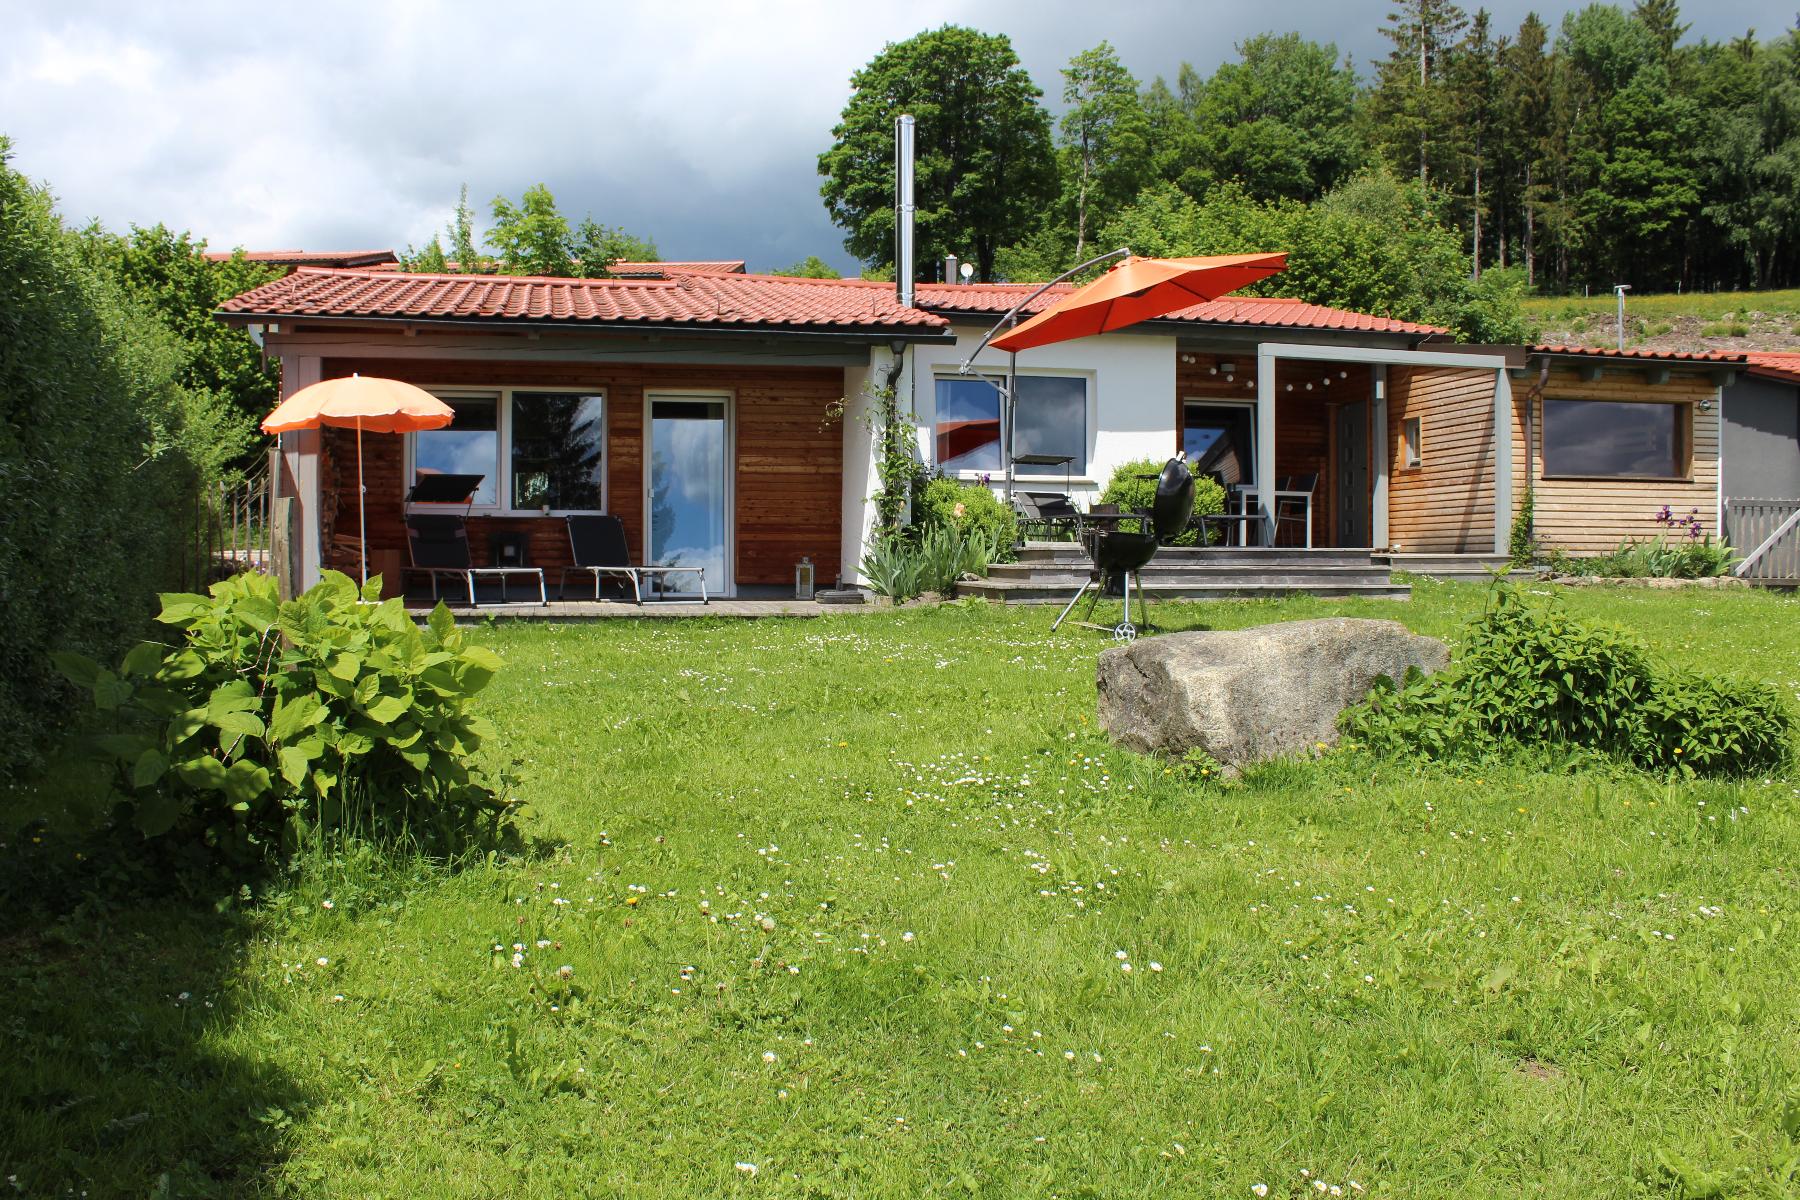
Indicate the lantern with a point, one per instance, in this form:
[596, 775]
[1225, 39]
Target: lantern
[803, 579]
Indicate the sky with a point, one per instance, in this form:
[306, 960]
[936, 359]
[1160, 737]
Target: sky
[329, 126]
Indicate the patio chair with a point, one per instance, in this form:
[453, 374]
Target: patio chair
[438, 544]
[1295, 509]
[598, 546]
[1050, 512]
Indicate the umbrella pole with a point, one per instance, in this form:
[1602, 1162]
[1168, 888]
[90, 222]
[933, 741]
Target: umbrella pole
[362, 501]
[1012, 410]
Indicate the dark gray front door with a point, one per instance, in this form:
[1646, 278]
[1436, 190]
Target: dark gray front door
[1352, 486]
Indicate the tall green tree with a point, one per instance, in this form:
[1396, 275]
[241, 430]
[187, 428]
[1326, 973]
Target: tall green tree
[531, 237]
[986, 168]
[1408, 102]
[810, 267]
[1526, 82]
[1105, 139]
[170, 273]
[1281, 120]
[1472, 85]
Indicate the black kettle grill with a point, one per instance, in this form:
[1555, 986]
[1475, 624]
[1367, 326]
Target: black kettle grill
[1118, 556]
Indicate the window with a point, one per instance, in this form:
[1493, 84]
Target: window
[1052, 420]
[1615, 439]
[1412, 448]
[469, 445]
[558, 451]
[533, 449]
[1220, 440]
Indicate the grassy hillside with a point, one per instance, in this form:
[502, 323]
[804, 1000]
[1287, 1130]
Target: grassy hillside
[1727, 321]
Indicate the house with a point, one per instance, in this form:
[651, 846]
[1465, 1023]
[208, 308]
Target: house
[723, 416]
[1760, 446]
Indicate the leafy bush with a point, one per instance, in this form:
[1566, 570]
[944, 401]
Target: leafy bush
[1731, 329]
[968, 506]
[102, 452]
[265, 720]
[900, 568]
[1133, 494]
[893, 567]
[1535, 676]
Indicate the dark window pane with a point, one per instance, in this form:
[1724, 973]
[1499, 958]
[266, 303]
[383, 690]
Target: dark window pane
[968, 425]
[1052, 417]
[1217, 440]
[469, 445]
[558, 451]
[1613, 439]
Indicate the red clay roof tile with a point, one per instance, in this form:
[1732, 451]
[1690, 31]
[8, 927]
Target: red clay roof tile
[1698, 356]
[1281, 312]
[722, 298]
[310, 258]
[1775, 365]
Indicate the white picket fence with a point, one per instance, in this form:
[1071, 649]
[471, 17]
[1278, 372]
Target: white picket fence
[1767, 534]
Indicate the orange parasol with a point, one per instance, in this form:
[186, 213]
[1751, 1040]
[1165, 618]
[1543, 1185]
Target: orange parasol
[360, 402]
[1137, 290]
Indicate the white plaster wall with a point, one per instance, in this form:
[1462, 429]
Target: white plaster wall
[1131, 397]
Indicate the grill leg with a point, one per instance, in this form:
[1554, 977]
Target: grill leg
[1143, 605]
[1054, 625]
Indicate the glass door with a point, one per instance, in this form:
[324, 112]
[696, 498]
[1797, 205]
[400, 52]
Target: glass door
[689, 489]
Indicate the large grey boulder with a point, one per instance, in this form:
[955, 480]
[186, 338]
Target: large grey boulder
[1249, 694]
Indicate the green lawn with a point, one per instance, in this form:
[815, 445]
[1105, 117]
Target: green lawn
[851, 902]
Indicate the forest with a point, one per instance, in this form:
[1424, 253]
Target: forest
[1610, 148]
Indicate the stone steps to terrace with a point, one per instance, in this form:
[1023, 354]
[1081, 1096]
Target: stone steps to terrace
[1050, 572]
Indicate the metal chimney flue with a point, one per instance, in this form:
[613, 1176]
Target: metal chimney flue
[950, 268]
[903, 209]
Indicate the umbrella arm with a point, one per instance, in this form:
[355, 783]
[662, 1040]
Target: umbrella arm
[969, 362]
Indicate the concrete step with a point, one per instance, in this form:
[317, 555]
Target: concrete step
[1215, 556]
[1009, 592]
[1459, 567]
[1157, 573]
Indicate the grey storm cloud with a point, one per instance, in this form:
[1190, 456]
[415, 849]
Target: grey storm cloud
[340, 125]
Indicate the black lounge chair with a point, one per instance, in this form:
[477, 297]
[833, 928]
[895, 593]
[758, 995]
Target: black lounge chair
[438, 544]
[1050, 513]
[597, 543]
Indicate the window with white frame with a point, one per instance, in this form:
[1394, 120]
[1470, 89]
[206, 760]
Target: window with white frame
[1412, 432]
[1052, 417]
[535, 450]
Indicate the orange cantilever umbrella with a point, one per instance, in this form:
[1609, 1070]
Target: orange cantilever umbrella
[1137, 290]
[360, 402]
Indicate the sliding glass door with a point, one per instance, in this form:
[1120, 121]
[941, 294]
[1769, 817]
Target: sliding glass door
[689, 487]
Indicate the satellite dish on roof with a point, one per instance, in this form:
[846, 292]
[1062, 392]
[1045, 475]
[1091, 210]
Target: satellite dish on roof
[967, 271]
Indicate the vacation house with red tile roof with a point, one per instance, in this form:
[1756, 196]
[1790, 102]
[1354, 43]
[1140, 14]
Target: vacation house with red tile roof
[723, 416]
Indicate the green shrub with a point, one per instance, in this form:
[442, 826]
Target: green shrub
[1133, 494]
[893, 567]
[1533, 675]
[102, 454]
[901, 568]
[965, 507]
[1728, 328]
[267, 720]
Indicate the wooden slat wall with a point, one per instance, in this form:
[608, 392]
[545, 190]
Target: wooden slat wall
[1446, 505]
[1585, 516]
[1304, 428]
[789, 458]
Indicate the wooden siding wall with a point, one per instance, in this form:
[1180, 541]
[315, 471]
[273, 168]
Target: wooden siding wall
[789, 458]
[1305, 428]
[1445, 505]
[1592, 516]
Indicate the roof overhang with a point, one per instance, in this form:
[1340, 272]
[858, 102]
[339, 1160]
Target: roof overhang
[1657, 368]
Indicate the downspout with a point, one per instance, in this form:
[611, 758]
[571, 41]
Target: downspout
[1533, 398]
